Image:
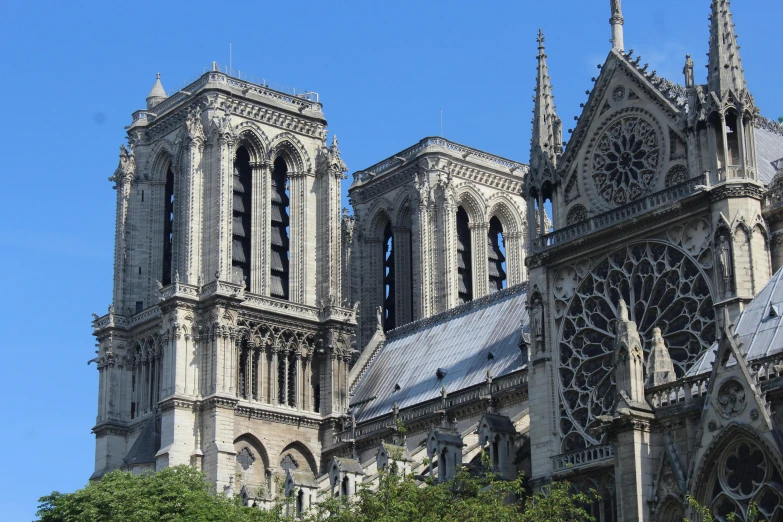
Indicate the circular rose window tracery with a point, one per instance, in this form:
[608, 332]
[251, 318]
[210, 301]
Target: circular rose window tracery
[626, 160]
[663, 287]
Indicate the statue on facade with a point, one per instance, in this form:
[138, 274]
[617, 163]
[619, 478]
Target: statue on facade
[688, 71]
[724, 258]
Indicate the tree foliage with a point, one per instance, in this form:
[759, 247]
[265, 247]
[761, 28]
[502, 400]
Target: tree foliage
[181, 493]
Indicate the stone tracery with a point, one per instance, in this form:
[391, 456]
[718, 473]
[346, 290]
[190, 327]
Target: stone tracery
[625, 160]
[663, 287]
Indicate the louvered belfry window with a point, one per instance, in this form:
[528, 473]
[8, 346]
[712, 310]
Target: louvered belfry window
[388, 279]
[464, 254]
[168, 227]
[496, 256]
[243, 184]
[280, 223]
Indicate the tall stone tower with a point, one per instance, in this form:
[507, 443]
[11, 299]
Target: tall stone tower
[656, 202]
[226, 345]
[435, 225]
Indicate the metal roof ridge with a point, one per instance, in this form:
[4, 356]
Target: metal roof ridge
[457, 311]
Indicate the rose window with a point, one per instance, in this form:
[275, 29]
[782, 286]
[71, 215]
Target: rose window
[626, 160]
[663, 287]
[746, 476]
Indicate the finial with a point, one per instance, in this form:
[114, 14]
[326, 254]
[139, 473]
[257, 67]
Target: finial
[622, 309]
[617, 21]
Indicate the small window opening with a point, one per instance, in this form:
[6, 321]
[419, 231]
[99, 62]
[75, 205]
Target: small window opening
[389, 316]
[464, 257]
[280, 231]
[243, 184]
[168, 227]
[496, 252]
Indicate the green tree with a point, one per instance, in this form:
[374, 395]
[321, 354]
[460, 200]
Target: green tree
[181, 493]
[177, 493]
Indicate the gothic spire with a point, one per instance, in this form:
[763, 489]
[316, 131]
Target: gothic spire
[157, 94]
[725, 66]
[617, 21]
[546, 125]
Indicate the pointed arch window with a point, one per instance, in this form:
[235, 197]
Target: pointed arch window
[243, 184]
[389, 315]
[168, 227]
[464, 257]
[280, 231]
[496, 253]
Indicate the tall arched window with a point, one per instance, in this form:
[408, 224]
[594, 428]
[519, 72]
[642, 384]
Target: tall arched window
[389, 318]
[168, 227]
[496, 254]
[243, 184]
[464, 257]
[280, 224]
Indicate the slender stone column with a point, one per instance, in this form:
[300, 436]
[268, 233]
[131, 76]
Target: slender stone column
[478, 239]
[275, 374]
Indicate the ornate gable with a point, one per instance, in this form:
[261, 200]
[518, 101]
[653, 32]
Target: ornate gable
[628, 143]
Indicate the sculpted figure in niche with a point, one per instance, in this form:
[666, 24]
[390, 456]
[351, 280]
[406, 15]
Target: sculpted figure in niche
[724, 258]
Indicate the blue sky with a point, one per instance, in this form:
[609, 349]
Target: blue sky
[74, 72]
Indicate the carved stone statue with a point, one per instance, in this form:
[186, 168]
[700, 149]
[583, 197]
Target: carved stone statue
[379, 317]
[688, 72]
[724, 258]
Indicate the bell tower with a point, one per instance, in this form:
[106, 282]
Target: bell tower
[228, 288]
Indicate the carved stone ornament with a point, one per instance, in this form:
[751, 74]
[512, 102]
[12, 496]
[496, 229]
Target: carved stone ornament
[626, 160]
[731, 398]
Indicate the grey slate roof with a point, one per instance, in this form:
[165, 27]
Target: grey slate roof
[498, 423]
[143, 450]
[458, 341]
[769, 147]
[760, 332]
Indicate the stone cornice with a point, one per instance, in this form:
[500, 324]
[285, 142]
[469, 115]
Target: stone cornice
[281, 416]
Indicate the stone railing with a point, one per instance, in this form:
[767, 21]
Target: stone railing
[177, 289]
[456, 399]
[299, 102]
[439, 144]
[607, 219]
[681, 391]
[733, 172]
[767, 368]
[583, 457]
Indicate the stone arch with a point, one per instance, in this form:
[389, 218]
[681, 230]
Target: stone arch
[161, 156]
[706, 481]
[254, 139]
[508, 213]
[377, 219]
[401, 208]
[473, 202]
[252, 465]
[302, 455]
[288, 146]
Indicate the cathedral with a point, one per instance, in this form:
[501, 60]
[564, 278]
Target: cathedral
[608, 314]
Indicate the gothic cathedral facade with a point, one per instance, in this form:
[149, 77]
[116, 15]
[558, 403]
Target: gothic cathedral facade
[609, 314]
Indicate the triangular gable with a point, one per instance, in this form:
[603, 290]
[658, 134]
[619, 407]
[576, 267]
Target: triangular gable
[733, 401]
[638, 83]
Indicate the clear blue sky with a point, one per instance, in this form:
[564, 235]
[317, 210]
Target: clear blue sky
[74, 72]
